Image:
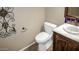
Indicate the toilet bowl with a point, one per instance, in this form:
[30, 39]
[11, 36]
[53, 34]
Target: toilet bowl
[44, 39]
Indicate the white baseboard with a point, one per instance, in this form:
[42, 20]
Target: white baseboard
[23, 49]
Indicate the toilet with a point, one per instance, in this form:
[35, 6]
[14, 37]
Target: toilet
[44, 39]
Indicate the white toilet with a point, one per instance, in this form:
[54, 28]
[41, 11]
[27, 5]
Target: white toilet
[44, 39]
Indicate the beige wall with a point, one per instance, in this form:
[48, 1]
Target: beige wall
[55, 15]
[30, 18]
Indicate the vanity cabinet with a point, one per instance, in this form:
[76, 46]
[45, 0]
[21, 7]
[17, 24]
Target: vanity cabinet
[62, 43]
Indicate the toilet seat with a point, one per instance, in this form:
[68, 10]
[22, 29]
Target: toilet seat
[42, 37]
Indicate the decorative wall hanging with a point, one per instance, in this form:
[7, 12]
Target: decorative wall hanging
[7, 27]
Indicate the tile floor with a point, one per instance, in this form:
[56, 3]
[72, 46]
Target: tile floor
[35, 48]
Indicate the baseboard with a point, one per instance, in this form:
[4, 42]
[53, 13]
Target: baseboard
[27, 48]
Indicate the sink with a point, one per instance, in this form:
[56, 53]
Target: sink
[71, 29]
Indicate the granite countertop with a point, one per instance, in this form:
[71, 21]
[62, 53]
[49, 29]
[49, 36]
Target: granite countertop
[61, 31]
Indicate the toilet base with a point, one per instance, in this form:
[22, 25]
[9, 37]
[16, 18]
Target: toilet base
[50, 48]
[45, 46]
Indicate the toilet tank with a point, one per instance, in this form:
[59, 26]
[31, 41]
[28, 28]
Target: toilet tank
[48, 27]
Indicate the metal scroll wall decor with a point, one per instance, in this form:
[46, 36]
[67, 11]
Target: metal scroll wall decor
[7, 26]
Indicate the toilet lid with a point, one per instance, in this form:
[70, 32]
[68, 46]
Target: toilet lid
[42, 37]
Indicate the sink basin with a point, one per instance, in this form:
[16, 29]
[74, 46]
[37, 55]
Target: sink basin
[71, 29]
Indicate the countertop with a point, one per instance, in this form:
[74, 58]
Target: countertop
[61, 31]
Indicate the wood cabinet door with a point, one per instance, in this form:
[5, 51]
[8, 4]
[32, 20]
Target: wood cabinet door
[72, 45]
[62, 43]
